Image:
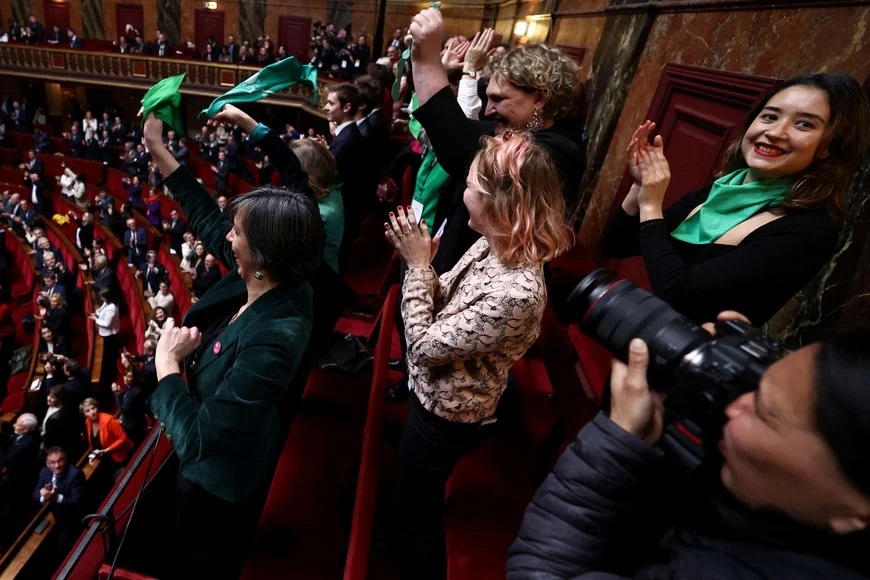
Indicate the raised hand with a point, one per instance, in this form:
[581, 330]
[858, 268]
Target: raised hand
[232, 115]
[639, 141]
[454, 52]
[655, 175]
[478, 52]
[427, 30]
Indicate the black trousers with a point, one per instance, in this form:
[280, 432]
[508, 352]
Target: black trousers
[212, 534]
[428, 451]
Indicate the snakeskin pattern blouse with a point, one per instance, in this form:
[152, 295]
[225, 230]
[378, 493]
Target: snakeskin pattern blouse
[466, 329]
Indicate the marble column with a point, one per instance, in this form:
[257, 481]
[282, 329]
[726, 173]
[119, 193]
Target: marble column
[622, 43]
[168, 17]
[92, 19]
[252, 19]
[20, 11]
[841, 291]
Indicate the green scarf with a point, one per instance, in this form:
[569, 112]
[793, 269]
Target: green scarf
[164, 100]
[730, 203]
[276, 77]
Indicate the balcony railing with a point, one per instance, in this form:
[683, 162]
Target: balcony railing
[208, 79]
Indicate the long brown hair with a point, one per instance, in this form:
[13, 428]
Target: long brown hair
[825, 182]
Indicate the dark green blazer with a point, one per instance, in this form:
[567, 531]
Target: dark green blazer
[221, 417]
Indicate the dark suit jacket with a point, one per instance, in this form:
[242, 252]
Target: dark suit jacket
[64, 429]
[71, 485]
[222, 420]
[20, 452]
[76, 42]
[141, 240]
[354, 167]
[152, 281]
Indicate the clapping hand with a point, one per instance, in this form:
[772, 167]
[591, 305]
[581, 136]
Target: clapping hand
[412, 241]
[454, 53]
[655, 175]
[639, 142]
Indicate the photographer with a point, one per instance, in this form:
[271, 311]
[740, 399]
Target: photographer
[795, 476]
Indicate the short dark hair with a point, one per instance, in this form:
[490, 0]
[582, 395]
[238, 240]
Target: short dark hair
[284, 231]
[843, 401]
[347, 94]
[371, 91]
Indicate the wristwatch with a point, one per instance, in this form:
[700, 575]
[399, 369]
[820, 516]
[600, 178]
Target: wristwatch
[472, 74]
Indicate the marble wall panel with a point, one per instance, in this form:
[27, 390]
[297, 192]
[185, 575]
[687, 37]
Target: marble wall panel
[169, 21]
[92, 19]
[20, 11]
[252, 18]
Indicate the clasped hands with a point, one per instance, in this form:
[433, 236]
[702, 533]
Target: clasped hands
[176, 343]
[410, 239]
[650, 170]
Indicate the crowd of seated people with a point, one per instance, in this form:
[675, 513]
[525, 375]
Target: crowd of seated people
[464, 89]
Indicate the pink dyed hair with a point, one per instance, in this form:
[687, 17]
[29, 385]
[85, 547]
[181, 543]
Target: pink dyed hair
[523, 199]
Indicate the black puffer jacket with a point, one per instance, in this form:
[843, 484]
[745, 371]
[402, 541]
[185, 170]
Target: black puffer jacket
[576, 516]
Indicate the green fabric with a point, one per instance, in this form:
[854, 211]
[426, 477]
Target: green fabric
[414, 125]
[730, 203]
[220, 417]
[164, 100]
[332, 212]
[400, 64]
[430, 178]
[276, 77]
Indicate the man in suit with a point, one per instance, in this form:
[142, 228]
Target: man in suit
[22, 216]
[175, 227]
[135, 242]
[103, 275]
[38, 199]
[151, 273]
[75, 40]
[19, 461]
[32, 165]
[232, 48]
[222, 171]
[162, 46]
[41, 142]
[348, 148]
[51, 286]
[62, 487]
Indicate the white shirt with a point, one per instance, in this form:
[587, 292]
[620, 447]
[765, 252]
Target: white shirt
[342, 126]
[108, 322]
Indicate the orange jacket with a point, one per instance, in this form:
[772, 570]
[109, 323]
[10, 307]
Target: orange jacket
[113, 438]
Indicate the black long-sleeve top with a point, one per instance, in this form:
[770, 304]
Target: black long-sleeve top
[756, 277]
[456, 139]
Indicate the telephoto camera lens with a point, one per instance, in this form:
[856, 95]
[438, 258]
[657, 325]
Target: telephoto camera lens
[613, 311]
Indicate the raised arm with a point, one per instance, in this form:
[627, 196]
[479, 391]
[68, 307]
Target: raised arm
[201, 209]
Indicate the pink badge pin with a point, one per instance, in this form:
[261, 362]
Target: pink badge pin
[216, 348]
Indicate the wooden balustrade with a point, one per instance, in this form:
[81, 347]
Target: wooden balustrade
[137, 72]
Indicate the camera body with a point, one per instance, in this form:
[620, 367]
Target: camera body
[701, 374]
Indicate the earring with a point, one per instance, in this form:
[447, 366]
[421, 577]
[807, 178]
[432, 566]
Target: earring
[258, 275]
[537, 120]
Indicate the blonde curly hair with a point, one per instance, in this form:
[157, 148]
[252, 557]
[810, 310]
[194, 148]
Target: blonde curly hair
[537, 67]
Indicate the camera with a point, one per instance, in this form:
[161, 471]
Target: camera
[701, 374]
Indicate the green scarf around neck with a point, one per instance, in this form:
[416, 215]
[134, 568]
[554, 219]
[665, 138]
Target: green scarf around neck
[730, 203]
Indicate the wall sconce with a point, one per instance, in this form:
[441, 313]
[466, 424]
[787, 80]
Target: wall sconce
[521, 27]
[211, 5]
[530, 31]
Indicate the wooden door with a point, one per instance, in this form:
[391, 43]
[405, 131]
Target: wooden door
[129, 14]
[208, 23]
[56, 14]
[294, 34]
[698, 112]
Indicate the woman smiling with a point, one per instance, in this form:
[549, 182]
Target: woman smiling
[223, 372]
[758, 234]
